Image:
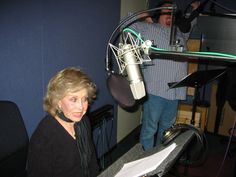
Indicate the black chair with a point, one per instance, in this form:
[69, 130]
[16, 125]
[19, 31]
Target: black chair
[14, 141]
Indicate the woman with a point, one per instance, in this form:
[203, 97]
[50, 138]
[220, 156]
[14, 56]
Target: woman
[62, 146]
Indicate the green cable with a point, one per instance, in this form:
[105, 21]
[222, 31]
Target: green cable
[139, 37]
[200, 53]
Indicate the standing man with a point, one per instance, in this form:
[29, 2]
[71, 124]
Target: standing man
[160, 109]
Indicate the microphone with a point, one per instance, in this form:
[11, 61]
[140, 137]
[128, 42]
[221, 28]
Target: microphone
[183, 23]
[133, 71]
[128, 86]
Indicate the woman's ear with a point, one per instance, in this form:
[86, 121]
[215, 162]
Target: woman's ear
[59, 105]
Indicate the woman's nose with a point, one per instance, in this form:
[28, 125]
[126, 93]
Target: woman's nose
[79, 104]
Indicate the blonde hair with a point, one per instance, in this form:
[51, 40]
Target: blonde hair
[70, 79]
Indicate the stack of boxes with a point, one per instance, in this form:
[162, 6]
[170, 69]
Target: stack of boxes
[185, 117]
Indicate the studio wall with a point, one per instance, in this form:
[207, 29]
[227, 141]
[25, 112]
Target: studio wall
[40, 37]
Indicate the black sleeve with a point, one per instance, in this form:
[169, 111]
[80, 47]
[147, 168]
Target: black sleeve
[94, 161]
[94, 165]
[39, 157]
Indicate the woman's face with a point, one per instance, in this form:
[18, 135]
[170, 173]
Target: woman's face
[74, 105]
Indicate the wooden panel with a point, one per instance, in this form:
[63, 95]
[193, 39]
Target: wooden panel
[193, 45]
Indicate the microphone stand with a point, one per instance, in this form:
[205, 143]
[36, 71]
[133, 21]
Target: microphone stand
[173, 42]
[173, 27]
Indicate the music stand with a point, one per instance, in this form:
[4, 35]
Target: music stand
[197, 80]
[136, 152]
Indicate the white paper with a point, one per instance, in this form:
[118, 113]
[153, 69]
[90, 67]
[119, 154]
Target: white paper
[143, 166]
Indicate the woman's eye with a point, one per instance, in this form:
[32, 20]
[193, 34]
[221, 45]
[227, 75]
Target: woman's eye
[73, 99]
[85, 99]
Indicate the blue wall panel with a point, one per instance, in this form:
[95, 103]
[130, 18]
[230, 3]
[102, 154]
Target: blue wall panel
[38, 38]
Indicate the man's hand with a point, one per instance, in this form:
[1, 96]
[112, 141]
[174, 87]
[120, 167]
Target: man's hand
[146, 17]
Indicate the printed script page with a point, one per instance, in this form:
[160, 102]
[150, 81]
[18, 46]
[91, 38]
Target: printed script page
[145, 165]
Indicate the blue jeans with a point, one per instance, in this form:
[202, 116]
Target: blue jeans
[158, 115]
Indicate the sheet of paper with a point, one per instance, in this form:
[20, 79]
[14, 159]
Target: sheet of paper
[143, 166]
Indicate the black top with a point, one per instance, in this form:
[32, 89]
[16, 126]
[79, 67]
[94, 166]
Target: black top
[54, 153]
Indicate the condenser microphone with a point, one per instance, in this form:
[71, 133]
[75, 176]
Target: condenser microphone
[132, 69]
[127, 86]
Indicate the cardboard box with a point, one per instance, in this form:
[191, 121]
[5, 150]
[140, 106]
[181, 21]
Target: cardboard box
[184, 115]
[227, 120]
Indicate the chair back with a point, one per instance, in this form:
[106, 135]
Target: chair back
[14, 141]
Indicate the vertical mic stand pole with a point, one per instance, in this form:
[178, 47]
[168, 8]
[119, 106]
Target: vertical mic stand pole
[195, 101]
[172, 41]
